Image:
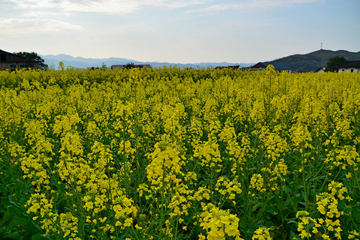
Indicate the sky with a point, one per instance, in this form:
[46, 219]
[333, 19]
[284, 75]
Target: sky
[180, 31]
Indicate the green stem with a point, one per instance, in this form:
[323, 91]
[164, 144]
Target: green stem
[162, 202]
[132, 227]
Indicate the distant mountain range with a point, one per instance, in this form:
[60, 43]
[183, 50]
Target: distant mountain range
[299, 62]
[314, 60]
[78, 62]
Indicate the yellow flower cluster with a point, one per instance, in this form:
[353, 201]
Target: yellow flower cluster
[261, 234]
[228, 188]
[219, 223]
[303, 225]
[68, 225]
[257, 182]
[327, 204]
[354, 234]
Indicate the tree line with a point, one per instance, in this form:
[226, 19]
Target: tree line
[34, 57]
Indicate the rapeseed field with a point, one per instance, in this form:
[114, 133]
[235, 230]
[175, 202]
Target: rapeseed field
[179, 154]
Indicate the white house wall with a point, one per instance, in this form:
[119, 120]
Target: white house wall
[357, 70]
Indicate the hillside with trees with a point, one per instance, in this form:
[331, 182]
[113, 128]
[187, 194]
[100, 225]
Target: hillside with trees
[314, 60]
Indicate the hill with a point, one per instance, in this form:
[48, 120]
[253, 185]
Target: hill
[314, 60]
[78, 62]
[298, 62]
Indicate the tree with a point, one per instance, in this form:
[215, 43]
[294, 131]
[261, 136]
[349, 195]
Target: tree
[335, 61]
[33, 57]
[129, 65]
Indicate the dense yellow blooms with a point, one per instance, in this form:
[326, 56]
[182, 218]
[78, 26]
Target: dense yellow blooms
[327, 204]
[219, 223]
[182, 154]
[261, 234]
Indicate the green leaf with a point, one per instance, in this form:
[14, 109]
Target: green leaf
[286, 188]
[15, 223]
[12, 210]
[37, 226]
[303, 203]
[13, 235]
[38, 236]
[292, 221]
[293, 235]
[281, 206]
[3, 209]
[288, 202]
[30, 230]
[279, 203]
[355, 214]
[7, 217]
[261, 211]
[272, 210]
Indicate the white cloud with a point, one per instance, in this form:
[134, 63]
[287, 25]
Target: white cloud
[251, 4]
[104, 6]
[43, 14]
[31, 4]
[178, 4]
[110, 6]
[12, 26]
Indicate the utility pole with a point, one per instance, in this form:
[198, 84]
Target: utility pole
[321, 47]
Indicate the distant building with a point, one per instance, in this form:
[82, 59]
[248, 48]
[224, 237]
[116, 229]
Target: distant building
[278, 66]
[9, 61]
[349, 66]
[140, 65]
[319, 70]
[229, 67]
